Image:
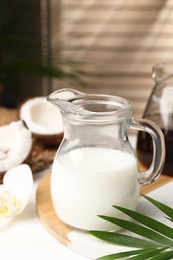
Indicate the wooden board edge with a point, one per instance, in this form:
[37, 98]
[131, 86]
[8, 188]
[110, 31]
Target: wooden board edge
[56, 228]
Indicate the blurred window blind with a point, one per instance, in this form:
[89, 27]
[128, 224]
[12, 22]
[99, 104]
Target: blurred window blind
[117, 43]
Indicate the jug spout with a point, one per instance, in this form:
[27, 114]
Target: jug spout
[61, 99]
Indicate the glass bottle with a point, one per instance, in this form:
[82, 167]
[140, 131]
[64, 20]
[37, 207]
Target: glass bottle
[159, 109]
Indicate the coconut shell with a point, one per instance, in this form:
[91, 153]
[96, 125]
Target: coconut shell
[40, 157]
[48, 140]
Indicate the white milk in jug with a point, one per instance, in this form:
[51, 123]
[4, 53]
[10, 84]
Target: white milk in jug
[88, 181]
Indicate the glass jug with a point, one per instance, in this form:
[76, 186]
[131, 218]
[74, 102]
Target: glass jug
[95, 166]
[159, 109]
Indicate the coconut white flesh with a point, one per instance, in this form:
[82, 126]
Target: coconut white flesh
[15, 192]
[41, 116]
[15, 145]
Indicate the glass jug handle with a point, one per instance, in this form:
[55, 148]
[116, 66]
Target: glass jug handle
[157, 164]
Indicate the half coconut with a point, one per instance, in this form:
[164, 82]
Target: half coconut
[43, 120]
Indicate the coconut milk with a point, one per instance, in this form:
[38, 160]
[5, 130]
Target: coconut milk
[86, 182]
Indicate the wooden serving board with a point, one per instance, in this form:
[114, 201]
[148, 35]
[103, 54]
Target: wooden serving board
[46, 213]
[54, 225]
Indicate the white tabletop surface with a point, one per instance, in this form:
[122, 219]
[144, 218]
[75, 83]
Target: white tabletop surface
[25, 238]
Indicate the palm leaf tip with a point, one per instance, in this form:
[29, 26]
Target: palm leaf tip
[161, 206]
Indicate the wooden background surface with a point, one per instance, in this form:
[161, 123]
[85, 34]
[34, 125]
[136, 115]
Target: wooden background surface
[117, 42]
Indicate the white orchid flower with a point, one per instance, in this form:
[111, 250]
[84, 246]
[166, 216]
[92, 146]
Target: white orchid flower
[15, 192]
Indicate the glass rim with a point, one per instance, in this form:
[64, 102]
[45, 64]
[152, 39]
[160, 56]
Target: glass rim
[111, 107]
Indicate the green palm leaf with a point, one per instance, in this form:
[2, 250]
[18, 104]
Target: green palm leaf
[148, 221]
[155, 241]
[123, 240]
[164, 208]
[140, 230]
[147, 255]
[163, 256]
[138, 254]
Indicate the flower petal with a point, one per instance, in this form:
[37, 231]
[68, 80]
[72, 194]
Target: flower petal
[19, 180]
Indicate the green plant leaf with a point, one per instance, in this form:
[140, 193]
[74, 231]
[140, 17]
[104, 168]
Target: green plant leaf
[149, 254]
[148, 221]
[156, 242]
[123, 240]
[163, 256]
[164, 208]
[140, 230]
[141, 253]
